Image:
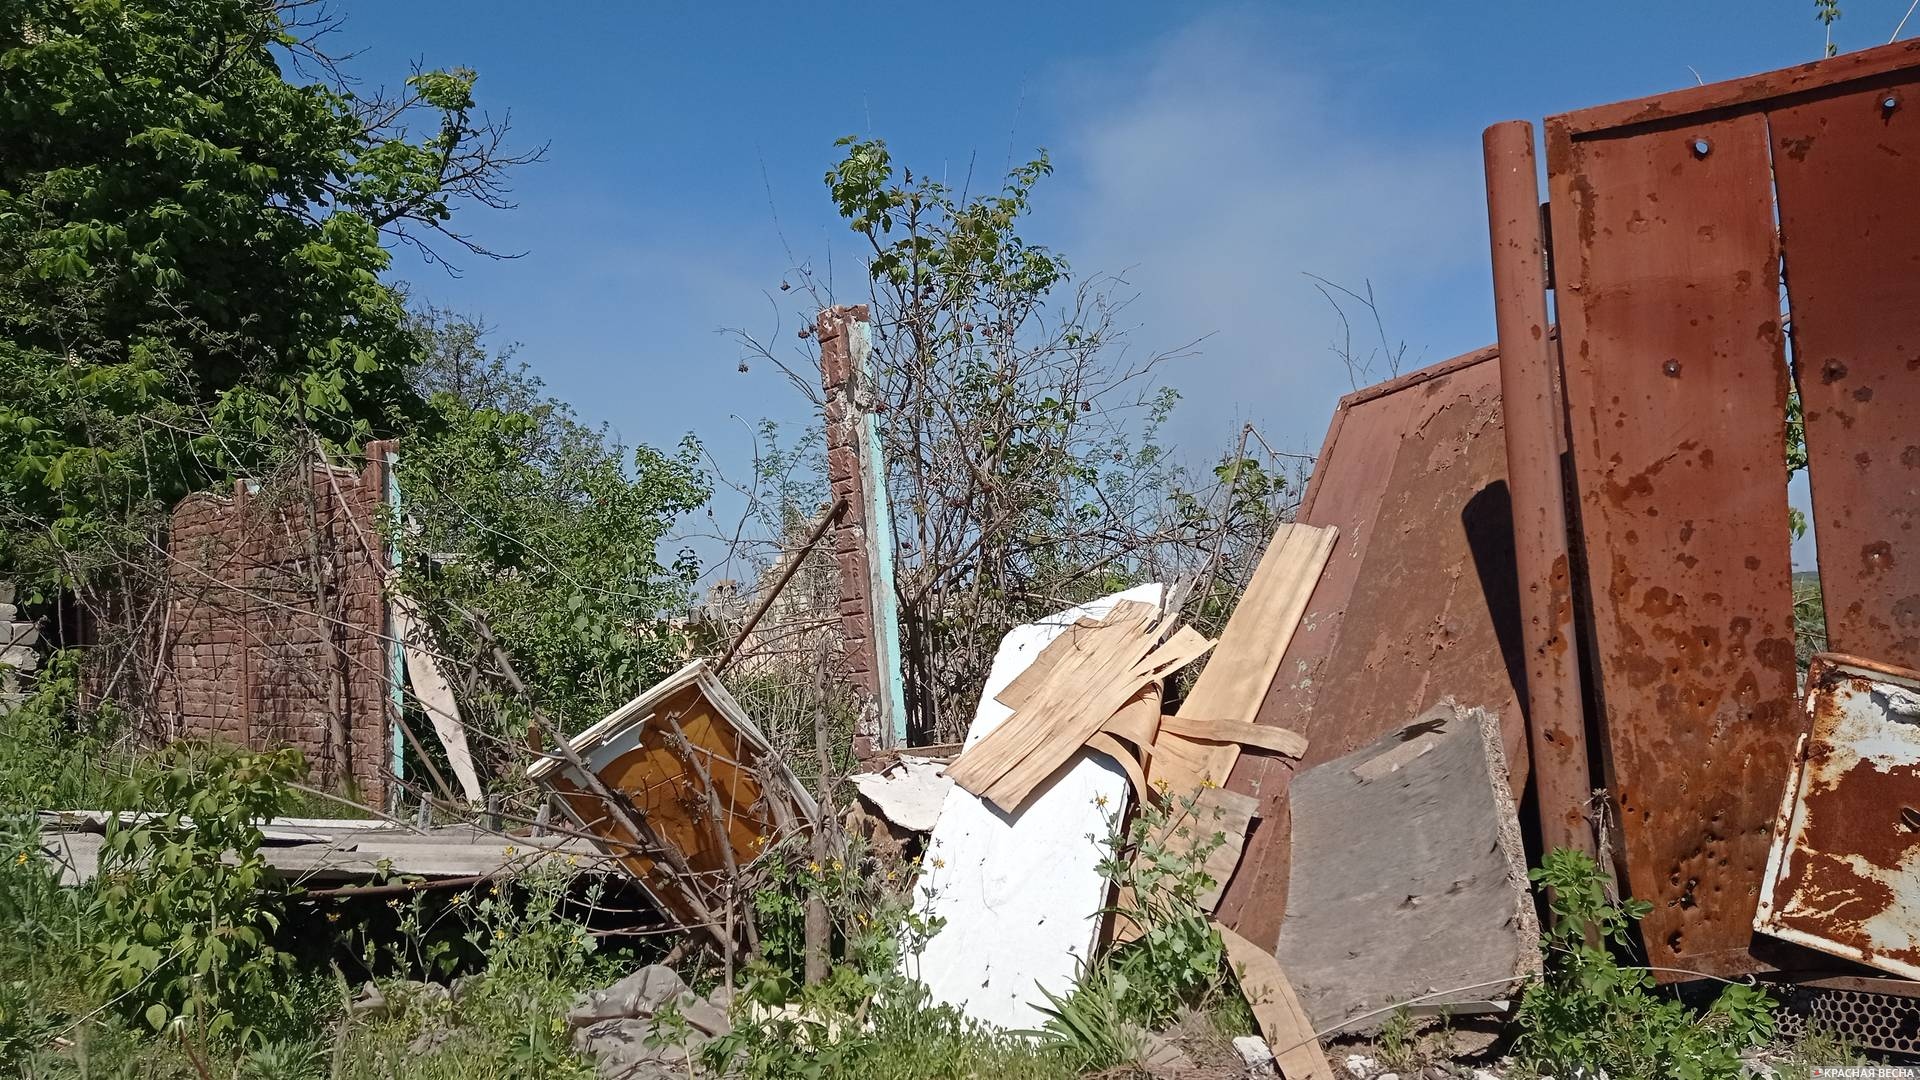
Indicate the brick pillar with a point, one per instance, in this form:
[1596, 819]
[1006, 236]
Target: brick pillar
[845, 480]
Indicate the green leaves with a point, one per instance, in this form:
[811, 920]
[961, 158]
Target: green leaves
[1591, 1013]
[186, 902]
[191, 262]
[559, 533]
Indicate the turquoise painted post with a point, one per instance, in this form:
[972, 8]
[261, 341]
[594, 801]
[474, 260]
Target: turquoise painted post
[879, 519]
[396, 649]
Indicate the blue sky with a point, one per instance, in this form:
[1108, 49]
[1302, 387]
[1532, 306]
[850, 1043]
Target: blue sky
[1209, 153]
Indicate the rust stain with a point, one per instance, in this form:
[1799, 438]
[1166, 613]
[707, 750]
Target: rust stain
[1847, 853]
[1689, 568]
[1423, 602]
[1848, 216]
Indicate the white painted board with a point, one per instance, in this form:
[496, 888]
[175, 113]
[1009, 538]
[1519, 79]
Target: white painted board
[1021, 894]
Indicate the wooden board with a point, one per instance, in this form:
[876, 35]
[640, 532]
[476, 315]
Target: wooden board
[1105, 665]
[1409, 873]
[1237, 677]
[1283, 1023]
[634, 751]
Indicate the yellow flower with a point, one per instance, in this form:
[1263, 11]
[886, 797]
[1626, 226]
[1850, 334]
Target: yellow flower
[1209, 783]
[813, 868]
[499, 935]
[512, 851]
[458, 898]
[20, 859]
[573, 860]
[939, 864]
[1161, 785]
[333, 916]
[494, 889]
[1100, 801]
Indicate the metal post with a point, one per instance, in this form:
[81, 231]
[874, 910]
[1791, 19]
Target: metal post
[1530, 404]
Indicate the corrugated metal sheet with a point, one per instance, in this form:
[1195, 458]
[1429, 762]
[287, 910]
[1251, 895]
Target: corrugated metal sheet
[1843, 875]
[1418, 603]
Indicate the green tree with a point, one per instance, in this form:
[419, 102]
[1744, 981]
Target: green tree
[548, 529]
[1020, 434]
[191, 259]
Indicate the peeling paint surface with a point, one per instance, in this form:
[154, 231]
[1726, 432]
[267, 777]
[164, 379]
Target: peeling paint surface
[1843, 875]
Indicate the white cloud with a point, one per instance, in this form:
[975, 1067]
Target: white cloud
[1222, 164]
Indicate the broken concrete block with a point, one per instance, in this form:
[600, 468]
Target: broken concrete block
[1408, 873]
[1257, 1054]
[907, 793]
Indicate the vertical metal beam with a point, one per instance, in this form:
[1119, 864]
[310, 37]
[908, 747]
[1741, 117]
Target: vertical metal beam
[1531, 406]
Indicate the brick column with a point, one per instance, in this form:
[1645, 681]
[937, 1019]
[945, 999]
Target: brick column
[845, 480]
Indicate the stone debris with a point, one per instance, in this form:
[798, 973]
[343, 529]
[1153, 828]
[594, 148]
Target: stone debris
[1257, 1054]
[647, 1026]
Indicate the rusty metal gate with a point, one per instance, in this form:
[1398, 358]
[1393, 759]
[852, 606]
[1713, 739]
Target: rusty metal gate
[1679, 292]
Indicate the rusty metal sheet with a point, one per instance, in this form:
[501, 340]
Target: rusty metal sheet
[1668, 268]
[1847, 169]
[1753, 92]
[1843, 875]
[1419, 602]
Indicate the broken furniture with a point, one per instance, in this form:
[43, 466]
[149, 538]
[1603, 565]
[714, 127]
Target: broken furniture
[681, 788]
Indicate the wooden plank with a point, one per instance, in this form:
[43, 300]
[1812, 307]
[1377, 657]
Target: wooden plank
[1237, 679]
[1019, 894]
[1283, 1023]
[1089, 686]
[1676, 383]
[431, 689]
[1277, 739]
[1407, 855]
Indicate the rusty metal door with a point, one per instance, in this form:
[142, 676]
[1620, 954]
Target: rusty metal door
[1668, 267]
[1418, 603]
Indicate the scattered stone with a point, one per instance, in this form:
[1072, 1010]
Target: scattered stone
[1360, 1066]
[625, 1029]
[1161, 1058]
[1257, 1054]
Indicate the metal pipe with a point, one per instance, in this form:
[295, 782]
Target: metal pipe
[1530, 405]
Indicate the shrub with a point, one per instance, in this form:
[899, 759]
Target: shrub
[184, 933]
[1591, 1014]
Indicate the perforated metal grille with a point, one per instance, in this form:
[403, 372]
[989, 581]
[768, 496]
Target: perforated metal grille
[1880, 1022]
